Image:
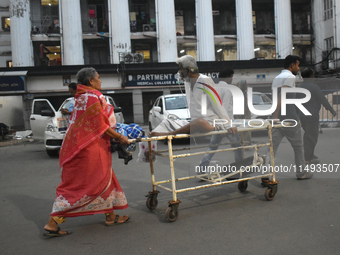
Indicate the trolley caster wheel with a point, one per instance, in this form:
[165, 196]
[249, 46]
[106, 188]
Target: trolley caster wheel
[151, 203]
[242, 186]
[171, 213]
[265, 182]
[270, 193]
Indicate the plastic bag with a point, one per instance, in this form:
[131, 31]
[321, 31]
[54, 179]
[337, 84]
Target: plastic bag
[143, 155]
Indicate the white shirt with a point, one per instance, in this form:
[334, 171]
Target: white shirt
[285, 78]
[205, 87]
[226, 96]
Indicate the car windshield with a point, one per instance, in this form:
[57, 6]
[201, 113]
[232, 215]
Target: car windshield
[67, 103]
[261, 99]
[177, 102]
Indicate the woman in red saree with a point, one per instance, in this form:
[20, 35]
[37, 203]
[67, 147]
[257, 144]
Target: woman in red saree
[88, 184]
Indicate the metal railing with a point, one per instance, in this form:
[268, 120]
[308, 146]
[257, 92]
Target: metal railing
[333, 97]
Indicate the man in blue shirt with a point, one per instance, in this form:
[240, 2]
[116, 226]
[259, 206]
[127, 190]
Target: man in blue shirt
[72, 87]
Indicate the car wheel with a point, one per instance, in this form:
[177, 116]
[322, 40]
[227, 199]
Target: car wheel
[52, 153]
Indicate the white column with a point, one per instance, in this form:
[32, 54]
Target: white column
[283, 28]
[166, 30]
[205, 31]
[72, 35]
[22, 48]
[120, 28]
[245, 33]
[317, 24]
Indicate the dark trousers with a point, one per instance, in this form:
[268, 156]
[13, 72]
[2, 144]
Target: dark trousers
[294, 136]
[310, 125]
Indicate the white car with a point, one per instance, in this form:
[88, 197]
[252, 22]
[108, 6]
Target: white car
[173, 106]
[261, 102]
[50, 125]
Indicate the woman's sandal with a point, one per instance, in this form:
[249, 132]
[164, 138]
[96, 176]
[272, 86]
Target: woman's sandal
[56, 233]
[116, 221]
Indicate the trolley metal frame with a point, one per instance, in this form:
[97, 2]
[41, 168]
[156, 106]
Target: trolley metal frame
[269, 180]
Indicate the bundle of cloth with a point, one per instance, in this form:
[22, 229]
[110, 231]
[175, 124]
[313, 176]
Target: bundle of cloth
[132, 131]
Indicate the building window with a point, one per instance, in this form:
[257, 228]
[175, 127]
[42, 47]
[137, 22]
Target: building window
[179, 22]
[329, 44]
[142, 17]
[9, 63]
[50, 17]
[47, 53]
[254, 21]
[327, 54]
[224, 17]
[225, 52]
[6, 23]
[263, 18]
[145, 50]
[49, 2]
[185, 18]
[97, 52]
[328, 9]
[301, 18]
[264, 51]
[94, 16]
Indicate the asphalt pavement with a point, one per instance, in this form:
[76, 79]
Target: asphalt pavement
[303, 217]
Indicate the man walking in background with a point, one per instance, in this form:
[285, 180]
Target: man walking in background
[294, 135]
[310, 124]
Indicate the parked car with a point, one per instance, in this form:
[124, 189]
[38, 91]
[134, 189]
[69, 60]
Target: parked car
[268, 95]
[173, 106]
[50, 125]
[261, 102]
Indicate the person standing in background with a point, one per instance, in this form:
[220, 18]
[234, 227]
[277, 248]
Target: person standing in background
[294, 135]
[310, 124]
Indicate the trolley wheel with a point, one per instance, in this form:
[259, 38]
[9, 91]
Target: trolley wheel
[242, 186]
[171, 213]
[269, 194]
[151, 203]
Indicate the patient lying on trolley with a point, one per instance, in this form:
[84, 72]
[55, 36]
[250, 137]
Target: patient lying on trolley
[233, 137]
[204, 103]
[207, 102]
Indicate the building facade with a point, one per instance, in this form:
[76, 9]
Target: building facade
[130, 42]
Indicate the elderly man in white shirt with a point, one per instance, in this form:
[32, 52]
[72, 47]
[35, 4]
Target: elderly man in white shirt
[227, 102]
[203, 113]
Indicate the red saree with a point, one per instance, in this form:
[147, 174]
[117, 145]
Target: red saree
[88, 185]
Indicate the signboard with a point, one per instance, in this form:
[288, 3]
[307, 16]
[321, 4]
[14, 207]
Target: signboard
[260, 77]
[12, 83]
[168, 79]
[66, 80]
[151, 80]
